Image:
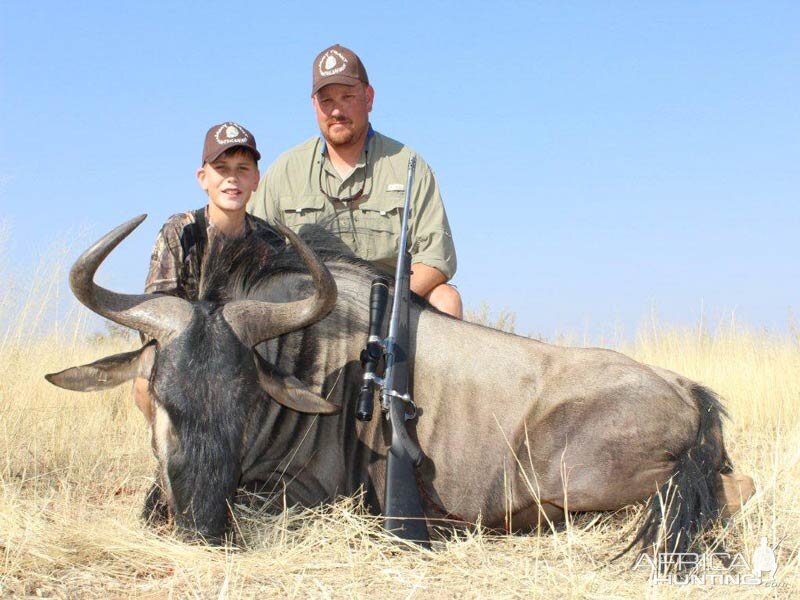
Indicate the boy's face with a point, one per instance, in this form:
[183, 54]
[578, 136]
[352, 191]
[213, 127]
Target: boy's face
[229, 180]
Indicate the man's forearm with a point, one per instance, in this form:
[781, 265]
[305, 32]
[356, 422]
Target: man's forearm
[425, 278]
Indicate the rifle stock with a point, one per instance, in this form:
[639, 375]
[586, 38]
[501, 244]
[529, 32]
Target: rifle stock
[403, 507]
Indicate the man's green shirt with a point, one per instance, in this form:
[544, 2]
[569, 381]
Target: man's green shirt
[365, 209]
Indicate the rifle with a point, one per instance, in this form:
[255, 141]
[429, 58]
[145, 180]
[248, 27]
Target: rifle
[402, 505]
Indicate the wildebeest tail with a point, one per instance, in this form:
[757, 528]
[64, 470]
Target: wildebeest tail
[687, 504]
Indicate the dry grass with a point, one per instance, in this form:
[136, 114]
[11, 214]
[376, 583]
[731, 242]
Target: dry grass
[74, 470]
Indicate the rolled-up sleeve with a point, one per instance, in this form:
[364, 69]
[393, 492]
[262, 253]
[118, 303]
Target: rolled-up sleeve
[431, 238]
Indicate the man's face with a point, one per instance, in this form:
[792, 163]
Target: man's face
[229, 180]
[343, 112]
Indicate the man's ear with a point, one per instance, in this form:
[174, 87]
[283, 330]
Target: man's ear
[370, 93]
[107, 372]
[201, 177]
[290, 392]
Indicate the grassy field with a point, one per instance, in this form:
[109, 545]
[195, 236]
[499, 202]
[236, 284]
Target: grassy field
[74, 469]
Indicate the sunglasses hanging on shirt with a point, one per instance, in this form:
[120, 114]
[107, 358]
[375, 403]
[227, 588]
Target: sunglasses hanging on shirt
[351, 197]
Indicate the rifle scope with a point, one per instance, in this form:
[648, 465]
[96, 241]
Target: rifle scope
[371, 354]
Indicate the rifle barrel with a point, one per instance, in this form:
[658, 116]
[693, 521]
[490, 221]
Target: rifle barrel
[402, 282]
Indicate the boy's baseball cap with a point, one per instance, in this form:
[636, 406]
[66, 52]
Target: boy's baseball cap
[337, 64]
[225, 136]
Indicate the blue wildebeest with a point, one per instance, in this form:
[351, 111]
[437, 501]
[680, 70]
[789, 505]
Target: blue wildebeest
[255, 385]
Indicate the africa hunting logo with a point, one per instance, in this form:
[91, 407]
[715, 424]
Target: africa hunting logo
[716, 568]
[331, 63]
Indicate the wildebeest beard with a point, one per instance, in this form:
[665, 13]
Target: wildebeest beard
[206, 382]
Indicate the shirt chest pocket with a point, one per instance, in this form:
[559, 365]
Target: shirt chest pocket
[302, 210]
[381, 219]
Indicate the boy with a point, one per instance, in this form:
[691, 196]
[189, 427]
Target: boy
[229, 175]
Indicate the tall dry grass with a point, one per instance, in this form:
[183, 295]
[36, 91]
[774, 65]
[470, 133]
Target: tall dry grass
[74, 469]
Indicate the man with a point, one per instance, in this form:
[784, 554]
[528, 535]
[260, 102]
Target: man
[351, 181]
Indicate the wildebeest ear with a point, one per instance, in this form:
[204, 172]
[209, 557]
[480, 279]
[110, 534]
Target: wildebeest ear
[106, 372]
[290, 392]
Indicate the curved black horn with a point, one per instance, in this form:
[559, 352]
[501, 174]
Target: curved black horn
[257, 321]
[156, 315]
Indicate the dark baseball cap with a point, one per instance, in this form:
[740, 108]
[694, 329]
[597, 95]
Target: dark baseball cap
[228, 135]
[337, 64]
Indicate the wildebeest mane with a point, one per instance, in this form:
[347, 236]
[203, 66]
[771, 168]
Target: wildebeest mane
[236, 269]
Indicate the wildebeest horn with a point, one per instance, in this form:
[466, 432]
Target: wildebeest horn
[156, 315]
[257, 321]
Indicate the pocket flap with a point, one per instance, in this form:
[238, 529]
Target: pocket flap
[383, 204]
[291, 204]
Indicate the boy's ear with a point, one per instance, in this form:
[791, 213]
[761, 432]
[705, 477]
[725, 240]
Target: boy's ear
[201, 177]
[258, 178]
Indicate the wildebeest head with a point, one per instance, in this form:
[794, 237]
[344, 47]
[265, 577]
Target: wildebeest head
[204, 376]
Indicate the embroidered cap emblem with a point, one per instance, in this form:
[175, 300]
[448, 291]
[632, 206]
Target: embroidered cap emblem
[230, 133]
[331, 63]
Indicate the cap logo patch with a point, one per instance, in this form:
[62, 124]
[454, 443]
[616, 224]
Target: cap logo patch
[331, 63]
[230, 133]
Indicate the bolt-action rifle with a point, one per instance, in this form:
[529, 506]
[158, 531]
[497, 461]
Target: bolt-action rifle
[403, 512]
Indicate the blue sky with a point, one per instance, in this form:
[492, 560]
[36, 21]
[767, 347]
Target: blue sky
[597, 159]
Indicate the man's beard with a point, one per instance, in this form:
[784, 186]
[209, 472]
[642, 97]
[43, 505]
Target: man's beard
[343, 137]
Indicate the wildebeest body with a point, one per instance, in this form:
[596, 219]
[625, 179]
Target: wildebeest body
[491, 420]
[495, 411]
[513, 430]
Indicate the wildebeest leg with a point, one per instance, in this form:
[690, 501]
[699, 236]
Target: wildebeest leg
[536, 516]
[735, 490]
[156, 510]
[597, 456]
